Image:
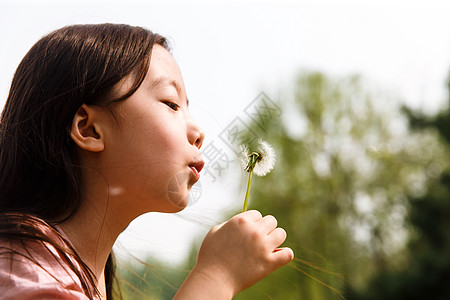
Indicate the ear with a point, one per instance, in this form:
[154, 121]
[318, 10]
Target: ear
[86, 131]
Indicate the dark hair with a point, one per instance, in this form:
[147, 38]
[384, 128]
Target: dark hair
[40, 173]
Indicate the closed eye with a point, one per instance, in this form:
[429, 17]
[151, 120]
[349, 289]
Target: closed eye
[172, 105]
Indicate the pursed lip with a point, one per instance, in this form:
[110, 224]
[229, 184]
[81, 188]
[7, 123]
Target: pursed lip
[196, 167]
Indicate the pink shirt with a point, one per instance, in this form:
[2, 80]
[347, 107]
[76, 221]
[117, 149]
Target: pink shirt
[47, 278]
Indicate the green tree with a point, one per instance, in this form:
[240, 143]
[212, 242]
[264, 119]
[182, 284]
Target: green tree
[426, 274]
[346, 163]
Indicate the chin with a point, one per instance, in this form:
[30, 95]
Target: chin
[178, 191]
[177, 202]
[170, 209]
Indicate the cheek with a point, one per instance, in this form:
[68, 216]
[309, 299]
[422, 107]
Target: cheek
[149, 163]
[154, 168]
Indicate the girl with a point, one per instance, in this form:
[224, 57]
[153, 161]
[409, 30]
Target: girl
[95, 128]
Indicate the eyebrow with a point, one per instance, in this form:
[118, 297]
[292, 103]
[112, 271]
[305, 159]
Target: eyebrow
[163, 81]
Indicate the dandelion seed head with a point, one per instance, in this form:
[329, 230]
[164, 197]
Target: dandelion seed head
[267, 159]
[261, 161]
[244, 157]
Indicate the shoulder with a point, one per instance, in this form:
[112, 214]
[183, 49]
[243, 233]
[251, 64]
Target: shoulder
[34, 270]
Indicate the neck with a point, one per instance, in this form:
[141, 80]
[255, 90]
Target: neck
[93, 229]
[92, 237]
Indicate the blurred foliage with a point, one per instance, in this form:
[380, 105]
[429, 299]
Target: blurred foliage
[347, 163]
[426, 275]
[340, 186]
[150, 279]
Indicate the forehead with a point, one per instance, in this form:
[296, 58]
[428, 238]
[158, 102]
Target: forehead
[162, 82]
[163, 70]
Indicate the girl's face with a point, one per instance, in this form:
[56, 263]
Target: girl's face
[151, 157]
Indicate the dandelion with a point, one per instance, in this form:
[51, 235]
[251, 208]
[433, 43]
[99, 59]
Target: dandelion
[260, 162]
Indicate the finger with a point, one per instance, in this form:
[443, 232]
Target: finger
[267, 224]
[277, 236]
[282, 256]
[252, 215]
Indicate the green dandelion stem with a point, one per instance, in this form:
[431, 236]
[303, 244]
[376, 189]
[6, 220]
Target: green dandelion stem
[247, 193]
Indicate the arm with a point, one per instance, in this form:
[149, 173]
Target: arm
[234, 256]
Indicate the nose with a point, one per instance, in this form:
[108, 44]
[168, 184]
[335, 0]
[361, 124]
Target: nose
[195, 134]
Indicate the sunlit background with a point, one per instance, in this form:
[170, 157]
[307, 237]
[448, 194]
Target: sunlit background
[230, 52]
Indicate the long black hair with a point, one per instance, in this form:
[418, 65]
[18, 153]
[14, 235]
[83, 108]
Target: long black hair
[40, 179]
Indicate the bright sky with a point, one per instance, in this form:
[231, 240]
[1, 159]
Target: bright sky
[228, 52]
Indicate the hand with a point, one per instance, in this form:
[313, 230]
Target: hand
[242, 251]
